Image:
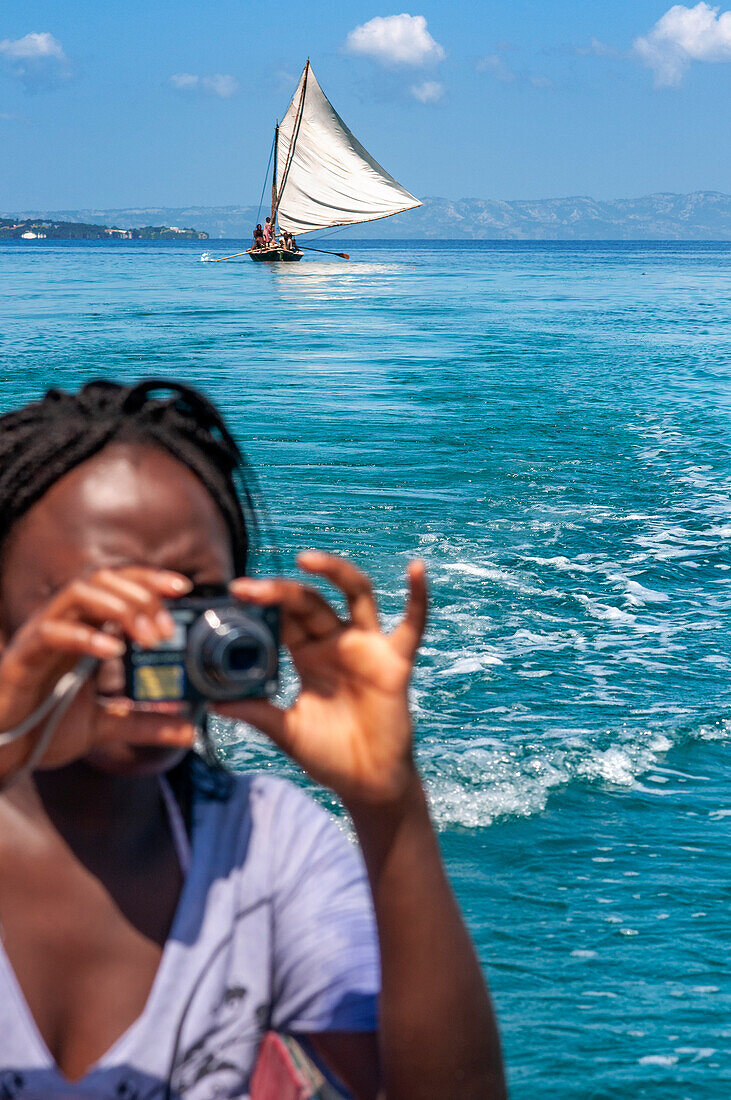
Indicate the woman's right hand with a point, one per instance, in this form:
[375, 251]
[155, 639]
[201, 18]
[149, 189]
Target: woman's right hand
[89, 617]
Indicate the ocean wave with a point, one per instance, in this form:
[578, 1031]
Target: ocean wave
[473, 787]
[501, 577]
[638, 594]
[476, 663]
[718, 729]
[606, 612]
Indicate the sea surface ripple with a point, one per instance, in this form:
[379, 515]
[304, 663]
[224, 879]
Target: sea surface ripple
[548, 426]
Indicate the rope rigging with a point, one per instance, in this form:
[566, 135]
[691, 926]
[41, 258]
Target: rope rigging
[266, 177]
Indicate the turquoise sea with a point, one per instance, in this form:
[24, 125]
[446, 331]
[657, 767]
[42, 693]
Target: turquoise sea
[549, 426]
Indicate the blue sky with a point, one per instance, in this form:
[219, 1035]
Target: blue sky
[173, 103]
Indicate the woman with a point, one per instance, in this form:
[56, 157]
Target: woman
[159, 915]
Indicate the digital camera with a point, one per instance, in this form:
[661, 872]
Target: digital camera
[222, 649]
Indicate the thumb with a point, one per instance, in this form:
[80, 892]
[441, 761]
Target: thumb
[408, 634]
[264, 716]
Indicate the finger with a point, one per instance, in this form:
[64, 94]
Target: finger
[144, 609]
[293, 633]
[67, 637]
[49, 650]
[313, 614]
[354, 584]
[164, 581]
[90, 601]
[408, 634]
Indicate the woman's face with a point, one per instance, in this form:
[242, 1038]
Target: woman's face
[132, 504]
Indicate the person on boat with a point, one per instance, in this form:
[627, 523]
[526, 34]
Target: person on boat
[286, 241]
[258, 237]
[159, 913]
[268, 232]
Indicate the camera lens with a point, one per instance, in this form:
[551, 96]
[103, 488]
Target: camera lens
[230, 653]
[243, 656]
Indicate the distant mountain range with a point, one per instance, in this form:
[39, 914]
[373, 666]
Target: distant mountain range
[701, 215]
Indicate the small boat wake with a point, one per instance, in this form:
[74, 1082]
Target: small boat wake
[206, 258]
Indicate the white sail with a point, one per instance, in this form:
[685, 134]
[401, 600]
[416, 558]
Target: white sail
[324, 175]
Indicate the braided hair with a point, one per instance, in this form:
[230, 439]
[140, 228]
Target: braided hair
[48, 438]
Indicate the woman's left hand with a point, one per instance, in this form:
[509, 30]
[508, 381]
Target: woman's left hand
[349, 727]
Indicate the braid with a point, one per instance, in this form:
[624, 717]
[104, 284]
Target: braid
[48, 438]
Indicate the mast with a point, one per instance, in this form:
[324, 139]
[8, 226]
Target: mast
[274, 178]
[276, 197]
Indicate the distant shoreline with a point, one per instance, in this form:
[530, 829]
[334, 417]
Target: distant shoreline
[31, 229]
[456, 244]
[696, 216]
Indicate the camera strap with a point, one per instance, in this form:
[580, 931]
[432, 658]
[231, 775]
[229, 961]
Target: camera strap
[52, 710]
[181, 840]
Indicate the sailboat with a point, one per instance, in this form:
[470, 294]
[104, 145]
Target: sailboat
[323, 177]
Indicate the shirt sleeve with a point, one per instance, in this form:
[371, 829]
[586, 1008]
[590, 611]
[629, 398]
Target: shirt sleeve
[326, 974]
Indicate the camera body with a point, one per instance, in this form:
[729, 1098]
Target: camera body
[222, 649]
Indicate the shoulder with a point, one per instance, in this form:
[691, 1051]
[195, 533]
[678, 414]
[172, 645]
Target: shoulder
[303, 847]
[286, 820]
[259, 818]
[279, 800]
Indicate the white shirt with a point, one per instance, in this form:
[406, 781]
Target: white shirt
[274, 930]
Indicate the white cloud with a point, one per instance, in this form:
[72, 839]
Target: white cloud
[684, 35]
[220, 84]
[395, 40]
[496, 66]
[32, 47]
[36, 59]
[430, 91]
[598, 49]
[184, 81]
[286, 80]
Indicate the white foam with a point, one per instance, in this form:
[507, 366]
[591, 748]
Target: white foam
[621, 765]
[658, 1060]
[699, 1053]
[473, 782]
[713, 731]
[641, 595]
[605, 612]
[477, 804]
[477, 662]
[534, 641]
[502, 577]
[467, 568]
[474, 786]
[563, 564]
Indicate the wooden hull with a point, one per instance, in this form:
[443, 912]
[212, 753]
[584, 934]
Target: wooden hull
[275, 255]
